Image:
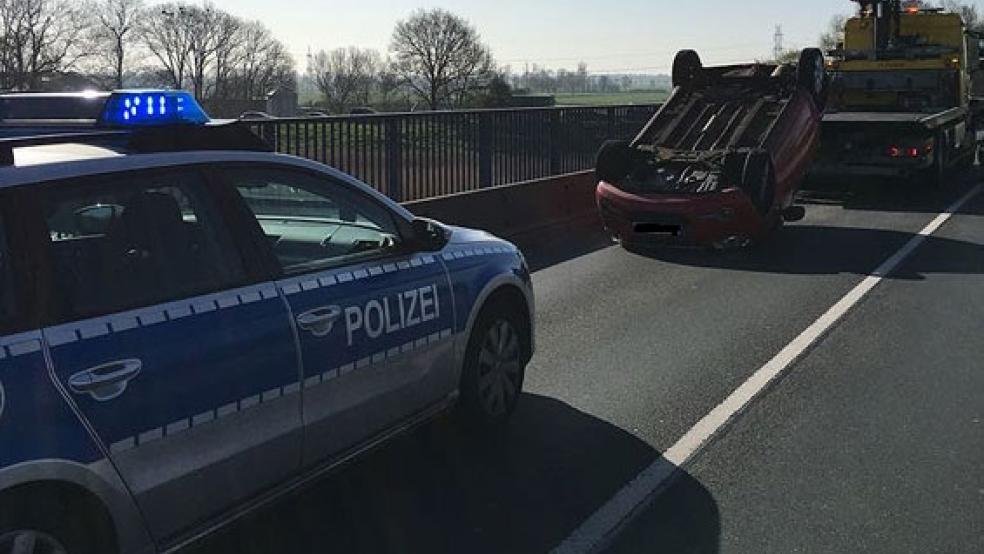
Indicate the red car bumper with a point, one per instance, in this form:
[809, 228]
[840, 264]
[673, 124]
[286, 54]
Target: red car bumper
[721, 219]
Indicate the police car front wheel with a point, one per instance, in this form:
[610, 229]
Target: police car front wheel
[30, 542]
[494, 369]
[34, 520]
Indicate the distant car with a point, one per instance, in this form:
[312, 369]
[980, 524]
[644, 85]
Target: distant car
[316, 114]
[720, 163]
[362, 111]
[255, 115]
[192, 326]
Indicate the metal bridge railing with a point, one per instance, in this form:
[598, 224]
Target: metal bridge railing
[412, 156]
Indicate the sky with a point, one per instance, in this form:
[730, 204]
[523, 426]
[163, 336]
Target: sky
[616, 36]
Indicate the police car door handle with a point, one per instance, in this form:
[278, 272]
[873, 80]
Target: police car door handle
[320, 321]
[107, 381]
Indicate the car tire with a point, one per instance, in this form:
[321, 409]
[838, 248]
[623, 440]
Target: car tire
[758, 180]
[494, 366]
[939, 172]
[811, 73]
[28, 530]
[615, 161]
[55, 521]
[686, 68]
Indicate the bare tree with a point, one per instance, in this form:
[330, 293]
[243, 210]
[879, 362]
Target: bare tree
[204, 33]
[387, 82]
[260, 63]
[165, 34]
[116, 23]
[969, 13]
[344, 76]
[832, 37]
[39, 37]
[581, 81]
[440, 57]
[230, 33]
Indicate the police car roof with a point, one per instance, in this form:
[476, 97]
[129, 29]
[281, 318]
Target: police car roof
[52, 151]
[34, 107]
[88, 160]
[60, 153]
[38, 127]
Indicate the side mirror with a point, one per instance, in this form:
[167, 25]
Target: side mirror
[428, 235]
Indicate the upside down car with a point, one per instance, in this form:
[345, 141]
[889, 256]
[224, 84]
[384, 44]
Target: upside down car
[720, 163]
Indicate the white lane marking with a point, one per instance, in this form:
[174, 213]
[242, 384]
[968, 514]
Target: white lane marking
[601, 526]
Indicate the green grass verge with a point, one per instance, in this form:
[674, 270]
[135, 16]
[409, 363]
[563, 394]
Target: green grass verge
[612, 99]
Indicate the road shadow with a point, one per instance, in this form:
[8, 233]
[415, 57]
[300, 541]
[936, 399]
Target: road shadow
[820, 250]
[679, 521]
[888, 195]
[557, 244]
[441, 489]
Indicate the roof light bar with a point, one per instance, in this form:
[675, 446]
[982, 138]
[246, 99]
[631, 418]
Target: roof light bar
[152, 108]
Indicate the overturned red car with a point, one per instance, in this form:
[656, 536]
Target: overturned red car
[720, 163]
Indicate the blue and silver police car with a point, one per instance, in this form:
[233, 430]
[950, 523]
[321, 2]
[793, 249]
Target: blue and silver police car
[191, 325]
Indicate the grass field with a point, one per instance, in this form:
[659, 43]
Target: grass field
[612, 99]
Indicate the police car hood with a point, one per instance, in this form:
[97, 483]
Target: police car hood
[464, 235]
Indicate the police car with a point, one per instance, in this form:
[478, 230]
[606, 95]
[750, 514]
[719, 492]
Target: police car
[191, 325]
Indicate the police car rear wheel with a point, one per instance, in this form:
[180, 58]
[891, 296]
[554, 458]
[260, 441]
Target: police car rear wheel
[494, 370]
[30, 542]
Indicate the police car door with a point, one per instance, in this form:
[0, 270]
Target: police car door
[185, 371]
[374, 320]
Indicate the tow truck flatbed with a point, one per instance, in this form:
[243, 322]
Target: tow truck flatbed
[927, 120]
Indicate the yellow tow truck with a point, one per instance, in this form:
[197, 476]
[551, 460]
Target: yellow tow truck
[901, 100]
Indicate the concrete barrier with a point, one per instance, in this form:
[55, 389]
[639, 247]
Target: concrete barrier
[511, 211]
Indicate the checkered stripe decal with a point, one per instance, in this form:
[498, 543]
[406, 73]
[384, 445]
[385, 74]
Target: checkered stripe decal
[31, 342]
[471, 252]
[336, 277]
[20, 344]
[244, 404]
[148, 317]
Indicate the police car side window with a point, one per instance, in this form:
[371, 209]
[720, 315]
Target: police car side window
[312, 222]
[127, 241]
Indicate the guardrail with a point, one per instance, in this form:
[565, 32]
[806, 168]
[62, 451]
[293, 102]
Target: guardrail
[413, 156]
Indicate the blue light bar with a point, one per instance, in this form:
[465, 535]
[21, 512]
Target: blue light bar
[152, 108]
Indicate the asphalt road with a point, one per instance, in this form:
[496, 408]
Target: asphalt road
[873, 442]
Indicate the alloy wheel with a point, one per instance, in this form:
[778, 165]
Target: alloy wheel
[499, 368]
[30, 542]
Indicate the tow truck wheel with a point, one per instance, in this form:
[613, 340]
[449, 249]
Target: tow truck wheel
[686, 67]
[811, 73]
[614, 161]
[938, 173]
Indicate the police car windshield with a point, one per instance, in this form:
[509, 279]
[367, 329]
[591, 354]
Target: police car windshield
[51, 107]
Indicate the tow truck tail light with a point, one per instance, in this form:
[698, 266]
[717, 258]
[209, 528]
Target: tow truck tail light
[894, 152]
[913, 152]
[149, 108]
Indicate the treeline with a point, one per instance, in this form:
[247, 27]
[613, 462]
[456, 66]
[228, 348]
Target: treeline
[538, 79]
[118, 43]
[436, 59]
